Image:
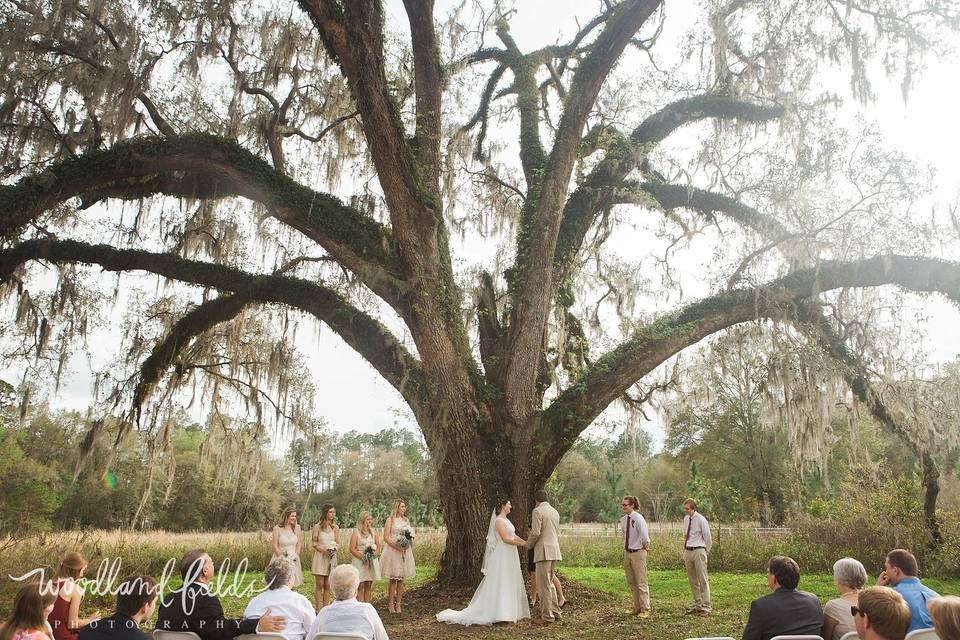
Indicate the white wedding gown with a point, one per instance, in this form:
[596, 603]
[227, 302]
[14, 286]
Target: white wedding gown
[501, 596]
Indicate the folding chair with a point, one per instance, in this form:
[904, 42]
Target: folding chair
[922, 634]
[160, 634]
[850, 635]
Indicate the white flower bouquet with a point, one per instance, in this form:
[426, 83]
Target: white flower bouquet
[404, 538]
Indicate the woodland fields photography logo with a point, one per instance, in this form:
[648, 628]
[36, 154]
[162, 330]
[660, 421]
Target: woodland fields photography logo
[226, 582]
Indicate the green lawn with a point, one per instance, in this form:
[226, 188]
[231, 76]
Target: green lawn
[598, 603]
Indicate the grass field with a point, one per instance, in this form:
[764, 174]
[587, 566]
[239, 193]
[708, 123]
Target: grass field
[598, 602]
[593, 580]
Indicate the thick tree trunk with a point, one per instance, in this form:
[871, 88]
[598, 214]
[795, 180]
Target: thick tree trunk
[473, 474]
[931, 490]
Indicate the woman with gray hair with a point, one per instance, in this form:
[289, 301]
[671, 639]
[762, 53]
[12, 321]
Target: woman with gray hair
[346, 614]
[281, 600]
[850, 577]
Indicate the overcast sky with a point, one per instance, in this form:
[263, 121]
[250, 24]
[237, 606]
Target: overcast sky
[352, 396]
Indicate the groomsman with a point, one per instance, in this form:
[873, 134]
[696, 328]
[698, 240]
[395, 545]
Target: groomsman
[636, 541]
[696, 545]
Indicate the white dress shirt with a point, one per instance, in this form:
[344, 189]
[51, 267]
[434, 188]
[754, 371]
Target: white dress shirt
[349, 616]
[285, 602]
[699, 531]
[639, 535]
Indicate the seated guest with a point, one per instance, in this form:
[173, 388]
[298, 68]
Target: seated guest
[193, 608]
[346, 614]
[65, 618]
[900, 572]
[849, 576]
[28, 621]
[280, 575]
[881, 614]
[786, 611]
[136, 600]
[945, 613]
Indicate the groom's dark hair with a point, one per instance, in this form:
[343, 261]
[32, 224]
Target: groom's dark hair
[540, 495]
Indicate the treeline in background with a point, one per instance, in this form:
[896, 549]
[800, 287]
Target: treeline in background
[224, 477]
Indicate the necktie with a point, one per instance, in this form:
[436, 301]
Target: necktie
[626, 533]
[686, 539]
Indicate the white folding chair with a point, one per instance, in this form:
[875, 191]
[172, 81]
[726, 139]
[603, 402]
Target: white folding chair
[850, 635]
[801, 637]
[330, 635]
[922, 634]
[262, 636]
[160, 634]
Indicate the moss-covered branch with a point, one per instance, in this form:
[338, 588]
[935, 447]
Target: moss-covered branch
[195, 322]
[657, 127]
[364, 334]
[597, 191]
[532, 279]
[810, 320]
[428, 86]
[577, 406]
[709, 203]
[206, 166]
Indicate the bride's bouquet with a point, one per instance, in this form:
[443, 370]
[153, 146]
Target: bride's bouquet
[332, 551]
[405, 538]
[369, 553]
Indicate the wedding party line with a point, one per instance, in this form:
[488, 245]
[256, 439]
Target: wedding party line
[899, 606]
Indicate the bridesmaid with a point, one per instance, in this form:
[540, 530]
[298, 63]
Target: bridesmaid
[326, 536]
[364, 538]
[396, 562]
[286, 542]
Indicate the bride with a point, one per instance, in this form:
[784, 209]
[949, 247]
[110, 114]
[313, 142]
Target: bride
[500, 596]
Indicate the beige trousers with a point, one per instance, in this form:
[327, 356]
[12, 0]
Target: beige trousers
[546, 592]
[695, 562]
[635, 566]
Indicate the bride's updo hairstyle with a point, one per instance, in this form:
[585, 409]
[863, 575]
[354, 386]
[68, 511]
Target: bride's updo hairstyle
[500, 503]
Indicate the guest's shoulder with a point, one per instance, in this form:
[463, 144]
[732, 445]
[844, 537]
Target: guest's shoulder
[303, 600]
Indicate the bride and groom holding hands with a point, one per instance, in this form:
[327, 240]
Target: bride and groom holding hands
[501, 596]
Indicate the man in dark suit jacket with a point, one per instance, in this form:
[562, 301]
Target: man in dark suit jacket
[194, 608]
[136, 600]
[786, 611]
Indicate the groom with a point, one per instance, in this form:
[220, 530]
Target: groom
[544, 539]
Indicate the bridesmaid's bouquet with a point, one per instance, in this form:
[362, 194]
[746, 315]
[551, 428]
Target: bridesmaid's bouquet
[332, 551]
[405, 538]
[369, 554]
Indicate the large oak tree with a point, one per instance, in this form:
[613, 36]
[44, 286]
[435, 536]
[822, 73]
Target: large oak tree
[269, 105]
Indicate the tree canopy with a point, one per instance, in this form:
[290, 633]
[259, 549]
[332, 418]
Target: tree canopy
[498, 229]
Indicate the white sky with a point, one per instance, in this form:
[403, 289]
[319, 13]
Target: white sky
[351, 395]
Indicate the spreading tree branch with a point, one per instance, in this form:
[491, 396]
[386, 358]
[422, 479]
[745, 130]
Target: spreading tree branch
[810, 319]
[195, 322]
[596, 192]
[609, 376]
[364, 334]
[428, 84]
[206, 166]
[532, 280]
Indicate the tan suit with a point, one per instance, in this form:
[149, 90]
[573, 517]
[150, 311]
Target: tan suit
[544, 538]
